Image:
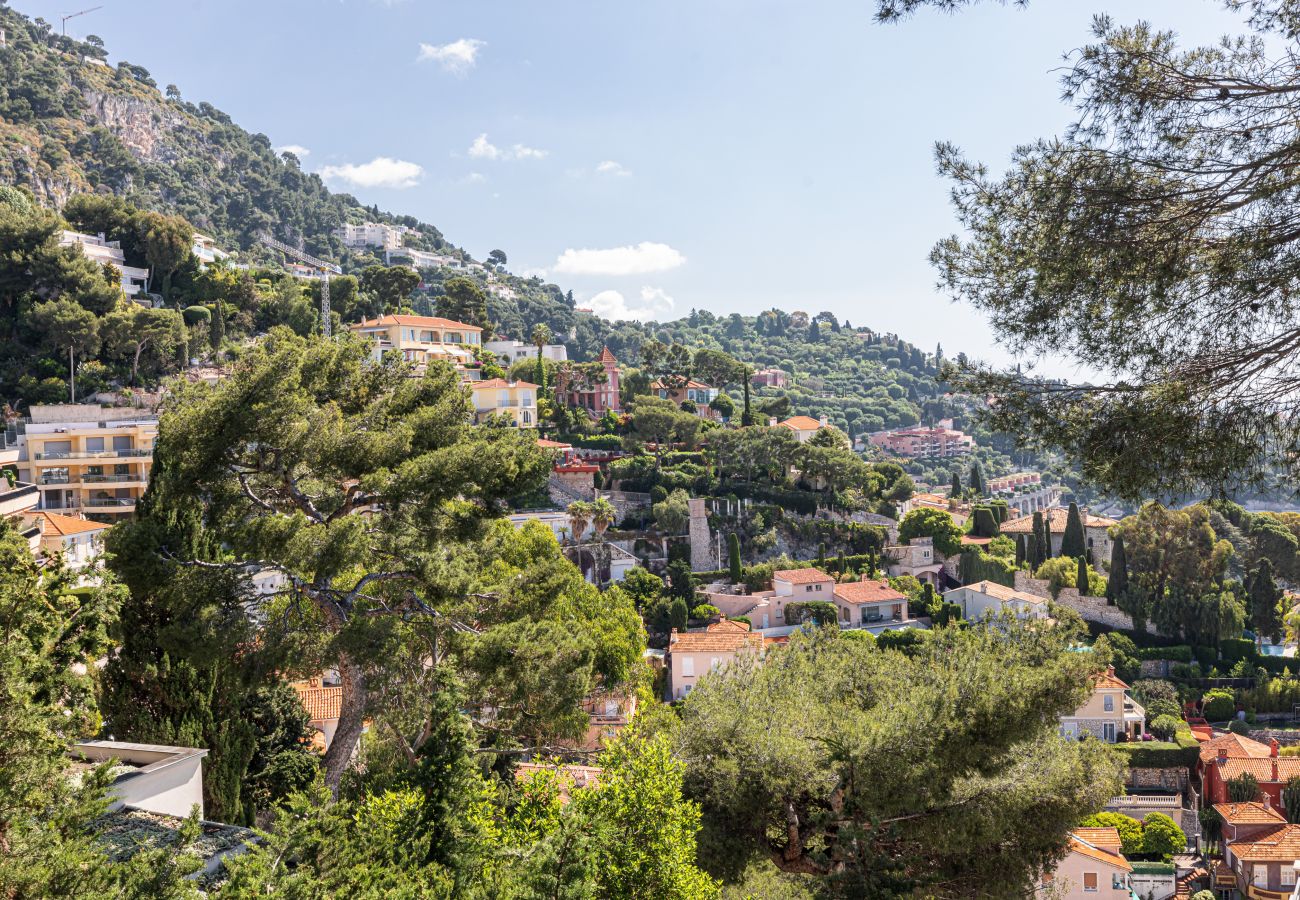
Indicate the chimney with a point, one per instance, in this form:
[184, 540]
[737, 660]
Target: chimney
[1110, 670]
[823, 422]
[1268, 800]
[1223, 754]
[1272, 747]
[1275, 768]
[771, 422]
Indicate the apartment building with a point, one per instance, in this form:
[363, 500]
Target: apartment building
[924, 443]
[88, 460]
[422, 259]
[134, 280]
[205, 249]
[370, 234]
[511, 352]
[516, 399]
[422, 339]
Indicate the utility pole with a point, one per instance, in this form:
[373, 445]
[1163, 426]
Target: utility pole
[74, 15]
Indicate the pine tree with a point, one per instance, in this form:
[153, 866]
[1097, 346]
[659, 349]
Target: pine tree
[1081, 577]
[977, 480]
[1073, 542]
[956, 484]
[733, 557]
[1117, 582]
[678, 614]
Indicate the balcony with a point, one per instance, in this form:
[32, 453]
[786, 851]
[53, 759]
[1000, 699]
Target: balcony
[16, 499]
[139, 478]
[1258, 893]
[94, 454]
[109, 504]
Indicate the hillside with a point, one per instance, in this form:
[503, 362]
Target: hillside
[70, 124]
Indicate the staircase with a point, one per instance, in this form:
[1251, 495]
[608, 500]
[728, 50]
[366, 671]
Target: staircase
[1190, 883]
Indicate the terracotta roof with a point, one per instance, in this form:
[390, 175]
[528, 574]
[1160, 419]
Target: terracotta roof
[727, 625]
[1249, 814]
[500, 383]
[659, 385]
[801, 576]
[606, 356]
[1278, 770]
[802, 423]
[417, 322]
[547, 444]
[1107, 679]
[1092, 851]
[713, 641]
[976, 541]
[56, 525]
[867, 592]
[1282, 844]
[580, 776]
[1102, 838]
[321, 703]
[1056, 518]
[999, 592]
[1236, 747]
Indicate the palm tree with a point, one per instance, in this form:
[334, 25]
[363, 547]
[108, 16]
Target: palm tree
[603, 515]
[541, 337]
[580, 512]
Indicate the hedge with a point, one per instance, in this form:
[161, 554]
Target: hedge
[1181, 653]
[801, 502]
[1233, 649]
[1159, 754]
[593, 441]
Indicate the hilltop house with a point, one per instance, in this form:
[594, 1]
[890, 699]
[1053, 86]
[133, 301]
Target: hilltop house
[989, 598]
[510, 352]
[134, 280]
[1260, 852]
[924, 443]
[515, 399]
[422, 339]
[693, 654]
[370, 234]
[770, 377]
[916, 558]
[804, 427]
[593, 396]
[1096, 531]
[1094, 867]
[869, 602]
[1108, 714]
[694, 392]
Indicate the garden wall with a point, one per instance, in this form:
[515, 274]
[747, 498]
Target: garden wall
[1092, 609]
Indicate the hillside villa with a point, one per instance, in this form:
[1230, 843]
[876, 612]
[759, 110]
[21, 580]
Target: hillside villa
[1260, 852]
[514, 399]
[694, 392]
[1093, 868]
[593, 396]
[422, 339]
[990, 598]
[1108, 714]
[693, 654]
[1096, 531]
[804, 427]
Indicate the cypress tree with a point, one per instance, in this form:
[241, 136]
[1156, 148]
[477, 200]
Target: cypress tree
[843, 566]
[1073, 541]
[1117, 582]
[678, 614]
[956, 484]
[1040, 552]
[1044, 538]
[1081, 577]
[870, 570]
[985, 524]
[821, 555]
[733, 557]
[217, 333]
[747, 417]
[1020, 551]
[977, 480]
[1265, 615]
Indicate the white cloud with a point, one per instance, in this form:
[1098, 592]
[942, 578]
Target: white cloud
[380, 172]
[458, 57]
[296, 149]
[474, 178]
[609, 167]
[482, 148]
[654, 303]
[644, 257]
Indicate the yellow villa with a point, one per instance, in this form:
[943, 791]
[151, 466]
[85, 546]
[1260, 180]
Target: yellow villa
[516, 399]
[422, 339]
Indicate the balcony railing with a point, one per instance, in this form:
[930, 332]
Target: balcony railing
[92, 454]
[116, 502]
[113, 479]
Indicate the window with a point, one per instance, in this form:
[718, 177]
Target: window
[1108, 703]
[1260, 876]
[688, 666]
[1090, 881]
[527, 417]
[1118, 882]
[94, 444]
[122, 442]
[808, 589]
[1288, 875]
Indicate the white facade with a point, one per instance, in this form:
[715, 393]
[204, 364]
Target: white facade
[988, 598]
[370, 234]
[206, 249]
[161, 779]
[511, 352]
[134, 280]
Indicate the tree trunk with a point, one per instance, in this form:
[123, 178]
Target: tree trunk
[794, 844]
[352, 715]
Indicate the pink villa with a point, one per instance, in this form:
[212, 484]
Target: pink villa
[595, 397]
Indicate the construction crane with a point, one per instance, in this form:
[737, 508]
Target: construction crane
[74, 15]
[320, 265]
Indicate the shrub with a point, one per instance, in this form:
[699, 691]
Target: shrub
[1218, 704]
[1164, 727]
[1181, 653]
[1158, 755]
[1233, 649]
[1158, 708]
[1060, 572]
[1243, 789]
[1204, 895]
[704, 611]
[1130, 829]
[1237, 727]
[1161, 836]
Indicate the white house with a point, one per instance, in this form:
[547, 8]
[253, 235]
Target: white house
[158, 778]
[511, 352]
[104, 252]
[989, 598]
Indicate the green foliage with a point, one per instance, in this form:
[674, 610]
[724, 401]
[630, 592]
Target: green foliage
[984, 522]
[1073, 543]
[1164, 727]
[765, 777]
[1291, 800]
[1161, 836]
[1238, 727]
[733, 557]
[1243, 789]
[1265, 602]
[1218, 704]
[1130, 829]
[935, 524]
[1117, 579]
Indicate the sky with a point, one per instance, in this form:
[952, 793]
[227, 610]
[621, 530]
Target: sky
[654, 157]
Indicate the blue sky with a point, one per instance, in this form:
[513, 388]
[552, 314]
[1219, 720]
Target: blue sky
[731, 155]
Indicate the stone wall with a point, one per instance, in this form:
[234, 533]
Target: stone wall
[703, 555]
[1092, 609]
[1171, 780]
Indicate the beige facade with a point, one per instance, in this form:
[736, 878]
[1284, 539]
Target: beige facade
[422, 339]
[694, 654]
[1093, 869]
[1108, 714]
[515, 399]
[987, 598]
[88, 460]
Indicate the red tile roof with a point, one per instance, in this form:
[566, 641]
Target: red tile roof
[1055, 518]
[801, 576]
[713, 642]
[1249, 814]
[659, 385]
[321, 703]
[1102, 838]
[1282, 844]
[867, 592]
[606, 356]
[55, 525]
[802, 423]
[727, 625]
[1277, 771]
[548, 444]
[1236, 747]
[1091, 850]
[417, 322]
[1107, 679]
